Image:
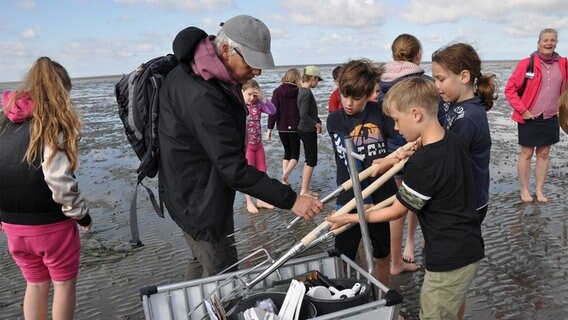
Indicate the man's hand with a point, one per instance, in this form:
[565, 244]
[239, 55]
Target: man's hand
[307, 207]
[318, 127]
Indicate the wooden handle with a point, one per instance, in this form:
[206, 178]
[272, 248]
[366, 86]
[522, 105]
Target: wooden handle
[367, 172]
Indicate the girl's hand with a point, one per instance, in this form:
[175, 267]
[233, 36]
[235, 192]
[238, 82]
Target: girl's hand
[318, 127]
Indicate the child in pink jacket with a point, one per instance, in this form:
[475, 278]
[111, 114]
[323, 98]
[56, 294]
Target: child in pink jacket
[256, 105]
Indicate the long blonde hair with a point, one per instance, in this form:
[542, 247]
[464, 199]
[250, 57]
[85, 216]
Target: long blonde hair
[48, 85]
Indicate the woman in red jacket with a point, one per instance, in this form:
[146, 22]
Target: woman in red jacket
[535, 111]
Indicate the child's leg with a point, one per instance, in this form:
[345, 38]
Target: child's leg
[251, 208]
[307, 180]
[35, 300]
[412, 222]
[382, 270]
[398, 265]
[251, 160]
[311, 153]
[294, 154]
[64, 297]
[261, 166]
[523, 170]
[541, 169]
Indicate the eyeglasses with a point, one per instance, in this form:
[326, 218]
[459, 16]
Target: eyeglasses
[240, 54]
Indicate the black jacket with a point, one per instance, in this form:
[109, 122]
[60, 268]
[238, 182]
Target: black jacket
[202, 151]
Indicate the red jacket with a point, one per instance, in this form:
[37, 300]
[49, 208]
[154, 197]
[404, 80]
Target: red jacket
[521, 104]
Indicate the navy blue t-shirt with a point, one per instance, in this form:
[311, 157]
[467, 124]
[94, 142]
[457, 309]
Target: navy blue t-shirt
[369, 130]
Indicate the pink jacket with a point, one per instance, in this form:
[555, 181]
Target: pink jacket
[521, 104]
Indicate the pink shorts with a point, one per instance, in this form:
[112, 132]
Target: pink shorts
[45, 252]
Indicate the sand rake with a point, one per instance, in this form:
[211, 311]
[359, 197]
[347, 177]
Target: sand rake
[322, 231]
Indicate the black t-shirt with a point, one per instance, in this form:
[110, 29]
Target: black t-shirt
[369, 130]
[438, 186]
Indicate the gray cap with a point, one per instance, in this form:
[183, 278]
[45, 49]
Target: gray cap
[254, 38]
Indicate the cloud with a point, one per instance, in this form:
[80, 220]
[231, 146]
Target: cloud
[29, 34]
[533, 23]
[26, 5]
[189, 5]
[336, 13]
[14, 49]
[441, 11]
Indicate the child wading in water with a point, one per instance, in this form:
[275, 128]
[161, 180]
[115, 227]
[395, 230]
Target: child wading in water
[256, 105]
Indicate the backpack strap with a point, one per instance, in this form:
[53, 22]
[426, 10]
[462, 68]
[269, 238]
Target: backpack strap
[530, 69]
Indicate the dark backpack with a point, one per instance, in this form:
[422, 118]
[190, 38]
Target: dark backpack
[529, 74]
[138, 108]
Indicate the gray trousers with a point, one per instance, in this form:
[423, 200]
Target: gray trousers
[208, 259]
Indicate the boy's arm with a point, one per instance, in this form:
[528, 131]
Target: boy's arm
[394, 212]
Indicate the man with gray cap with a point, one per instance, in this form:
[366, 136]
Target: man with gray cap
[202, 140]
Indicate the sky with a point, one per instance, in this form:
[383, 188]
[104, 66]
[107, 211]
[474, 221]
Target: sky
[111, 37]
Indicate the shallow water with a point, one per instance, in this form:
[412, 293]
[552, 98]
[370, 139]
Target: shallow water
[524, 275]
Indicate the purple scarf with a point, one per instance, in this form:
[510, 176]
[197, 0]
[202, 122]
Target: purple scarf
[548, 60]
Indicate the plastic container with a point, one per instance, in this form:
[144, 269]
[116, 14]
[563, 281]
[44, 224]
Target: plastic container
[307, 310]
[324, 306]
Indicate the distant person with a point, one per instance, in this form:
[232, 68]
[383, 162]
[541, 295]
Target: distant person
[256, 105]
[40, 201]
[407, 55]
[309, 126]
[202, 140]
[438, 186]
[469, 95]
[363, 121]
[286, 118]
[536, 110]
[334, 102]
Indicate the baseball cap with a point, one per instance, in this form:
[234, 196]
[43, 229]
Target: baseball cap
[254, 38]
[313, 71]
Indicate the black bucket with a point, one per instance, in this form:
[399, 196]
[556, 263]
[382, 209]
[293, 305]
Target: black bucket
[307, 310]
[325, 306]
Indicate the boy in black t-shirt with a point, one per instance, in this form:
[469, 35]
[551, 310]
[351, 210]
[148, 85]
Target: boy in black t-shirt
[363, 121]
[438, 186]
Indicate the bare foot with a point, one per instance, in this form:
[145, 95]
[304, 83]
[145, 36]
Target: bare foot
[262, 204]
[251, 208]
[526, 197]
[540, 197]
[395, 270]
[284, 180]
[408, 255]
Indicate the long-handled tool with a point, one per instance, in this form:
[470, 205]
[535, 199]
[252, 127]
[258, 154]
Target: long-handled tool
[335, 232]
[325, 226]
[347, 185]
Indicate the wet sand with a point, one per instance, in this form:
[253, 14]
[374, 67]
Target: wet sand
[524, 275]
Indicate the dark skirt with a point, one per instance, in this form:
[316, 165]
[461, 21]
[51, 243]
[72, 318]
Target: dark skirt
[539, 132]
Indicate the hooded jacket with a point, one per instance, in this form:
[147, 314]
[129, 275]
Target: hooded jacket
[202, 143]
[287, 115]
[37, 194]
